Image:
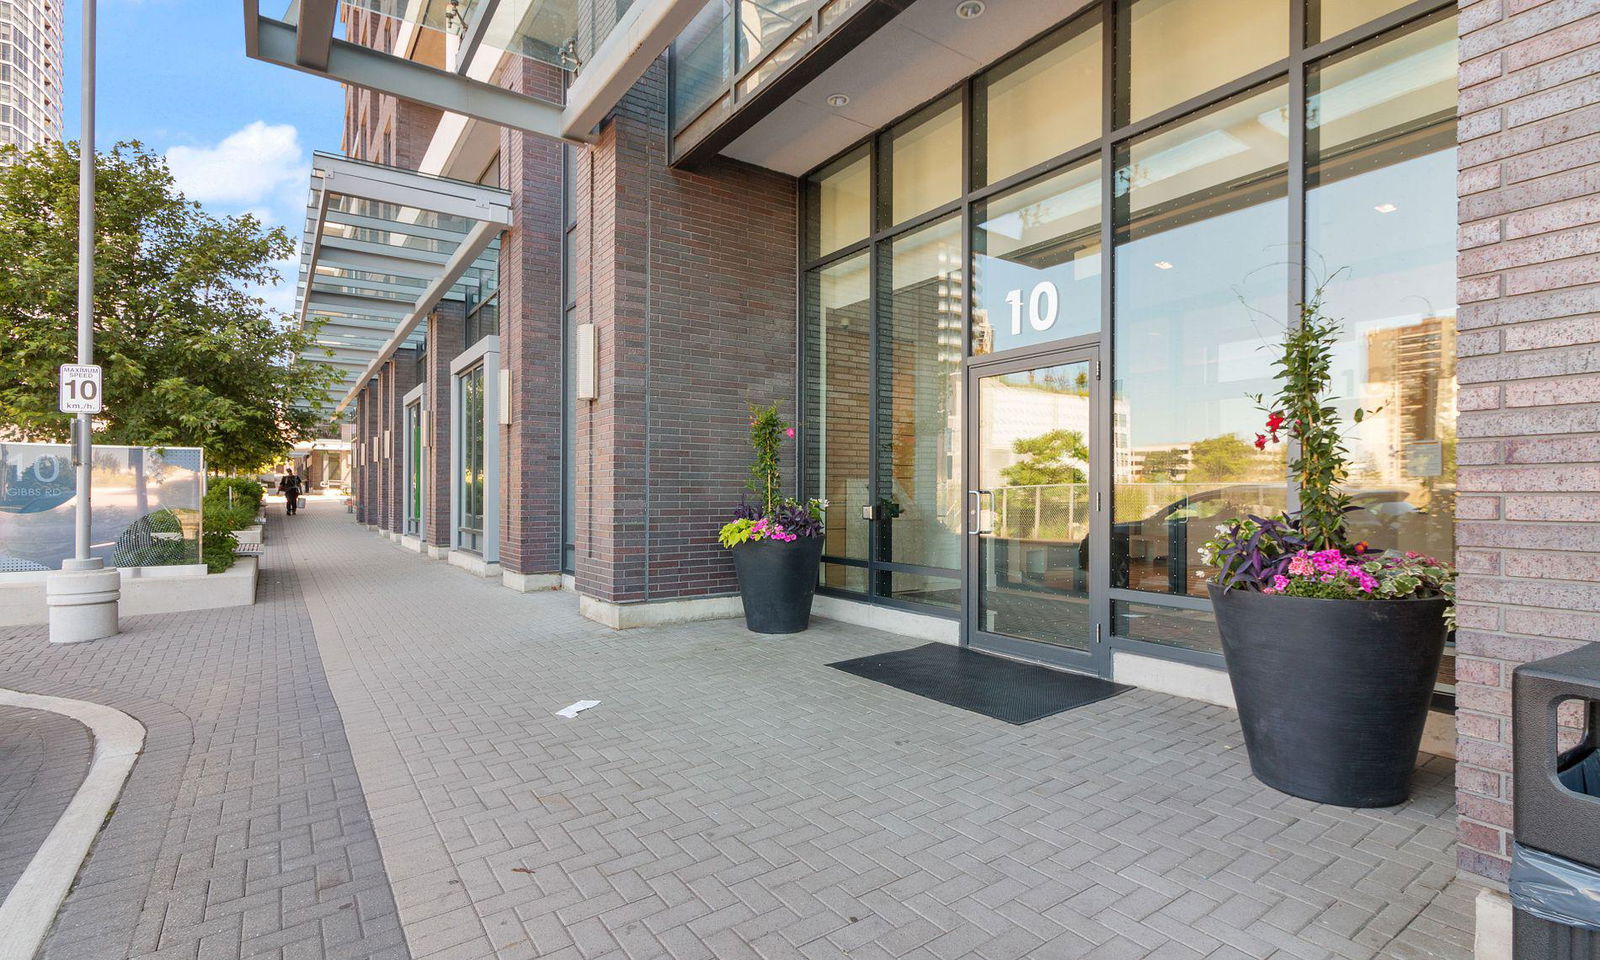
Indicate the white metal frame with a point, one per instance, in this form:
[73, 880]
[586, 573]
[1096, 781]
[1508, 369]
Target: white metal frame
[364, 331]
[486, 354]
[412, 439]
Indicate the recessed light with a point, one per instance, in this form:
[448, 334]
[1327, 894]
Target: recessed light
[1163, 265]
[1386, 208]
[838, 100]
[970, 9]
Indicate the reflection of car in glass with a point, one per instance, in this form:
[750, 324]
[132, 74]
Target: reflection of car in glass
[1162, 551]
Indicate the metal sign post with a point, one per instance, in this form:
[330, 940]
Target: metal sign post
[83, 596]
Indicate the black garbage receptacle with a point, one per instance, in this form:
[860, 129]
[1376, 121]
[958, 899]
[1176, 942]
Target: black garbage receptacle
[1555, 876]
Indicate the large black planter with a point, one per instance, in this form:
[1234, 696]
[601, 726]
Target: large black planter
[1332, 694]
[777, 581]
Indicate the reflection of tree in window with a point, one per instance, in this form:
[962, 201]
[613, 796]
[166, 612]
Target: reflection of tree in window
[1048, 459]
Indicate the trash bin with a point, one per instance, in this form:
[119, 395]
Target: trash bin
[1555, 872]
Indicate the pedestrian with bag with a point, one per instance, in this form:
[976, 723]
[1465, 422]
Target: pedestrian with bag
[289, 486]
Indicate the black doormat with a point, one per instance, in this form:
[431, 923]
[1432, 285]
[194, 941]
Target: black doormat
[993, 686]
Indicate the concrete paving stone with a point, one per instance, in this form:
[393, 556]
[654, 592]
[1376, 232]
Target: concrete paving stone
[367, 763]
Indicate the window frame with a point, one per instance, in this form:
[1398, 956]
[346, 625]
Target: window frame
[1292, 70]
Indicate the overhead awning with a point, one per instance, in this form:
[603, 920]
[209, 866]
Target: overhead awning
[382, 247]
[444, 53]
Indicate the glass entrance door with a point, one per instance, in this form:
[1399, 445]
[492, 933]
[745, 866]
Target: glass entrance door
[1034, 499]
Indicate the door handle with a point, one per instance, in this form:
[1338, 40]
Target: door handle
[975, 499]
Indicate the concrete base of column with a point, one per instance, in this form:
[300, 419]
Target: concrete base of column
[82, 598]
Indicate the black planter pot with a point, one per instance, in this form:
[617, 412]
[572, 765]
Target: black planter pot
[1332, 694]
[777, 582]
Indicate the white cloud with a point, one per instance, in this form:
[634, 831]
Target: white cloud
[260, 169]
[249, 167]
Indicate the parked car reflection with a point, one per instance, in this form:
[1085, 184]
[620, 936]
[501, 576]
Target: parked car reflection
[1161, 552]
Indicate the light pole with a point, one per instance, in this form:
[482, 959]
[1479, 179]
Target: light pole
[83, 595]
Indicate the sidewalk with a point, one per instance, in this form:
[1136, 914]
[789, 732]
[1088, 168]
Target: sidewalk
[731, 796]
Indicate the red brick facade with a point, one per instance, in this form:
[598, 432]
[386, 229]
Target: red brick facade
[446, 339]
[690, 281]
[1528, 517]
[530, 336]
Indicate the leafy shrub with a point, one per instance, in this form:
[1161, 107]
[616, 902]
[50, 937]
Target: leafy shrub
[221, 550]
[243, 490]
[226, 519]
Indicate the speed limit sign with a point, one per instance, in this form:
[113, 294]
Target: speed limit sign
[80, 388]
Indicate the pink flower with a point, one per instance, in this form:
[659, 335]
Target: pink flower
[789, 433]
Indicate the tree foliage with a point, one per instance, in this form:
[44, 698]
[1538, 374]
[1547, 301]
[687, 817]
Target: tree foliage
[1049, 459]
[192, 355]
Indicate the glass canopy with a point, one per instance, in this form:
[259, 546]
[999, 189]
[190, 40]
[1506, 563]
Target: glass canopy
[562, 32]
[382, 246]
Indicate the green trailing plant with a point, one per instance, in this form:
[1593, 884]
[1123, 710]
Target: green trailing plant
[774, 516]
[767, 432]
[221, 550]
[1303, 411]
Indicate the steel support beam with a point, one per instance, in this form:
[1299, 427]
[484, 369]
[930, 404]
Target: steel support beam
[645, 30]
[313, 36]
[274, 41]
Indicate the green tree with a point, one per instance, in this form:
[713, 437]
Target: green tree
[1222, 459]
[1050, 458]
[192, 355]
[1161, 466]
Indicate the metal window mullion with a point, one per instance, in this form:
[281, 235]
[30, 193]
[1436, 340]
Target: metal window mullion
[1100, 526]
[1296, 189]
[873, 364]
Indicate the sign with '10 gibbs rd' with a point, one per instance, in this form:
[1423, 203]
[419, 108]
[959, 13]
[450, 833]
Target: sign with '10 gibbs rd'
[80, 388]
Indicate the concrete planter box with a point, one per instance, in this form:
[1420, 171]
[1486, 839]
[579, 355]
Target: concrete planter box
[251, 534]
[145, 590]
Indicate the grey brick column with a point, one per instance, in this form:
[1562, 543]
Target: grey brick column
[694, 293]
[446, 336]
[1528, 514]
[530, 342]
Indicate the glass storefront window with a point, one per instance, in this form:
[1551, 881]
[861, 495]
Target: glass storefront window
[1329, 18]
[1036, 262]
[838, 205]
[920, 162]
[838, 387]
[471, 480]
[1178, 49]
[1201, 287]
[1380, 241]
[918, 502]
[1039, 104]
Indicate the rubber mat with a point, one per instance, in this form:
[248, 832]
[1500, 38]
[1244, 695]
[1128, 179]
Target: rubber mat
[1004, 689]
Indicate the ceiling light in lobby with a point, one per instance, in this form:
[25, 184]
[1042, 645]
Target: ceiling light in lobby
[1386, 208]
[1163, 265]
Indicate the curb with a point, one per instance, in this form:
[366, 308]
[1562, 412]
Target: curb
[30, 909]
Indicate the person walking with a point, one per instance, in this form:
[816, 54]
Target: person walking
[289, 486]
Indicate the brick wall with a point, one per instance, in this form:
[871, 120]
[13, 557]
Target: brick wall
[530, 336]
[690, 279]
[369, 467]
[1528, 515]
[379, 127]
[402, 378]
[446, 339]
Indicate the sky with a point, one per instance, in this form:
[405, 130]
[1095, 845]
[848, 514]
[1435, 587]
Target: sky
[237, 133]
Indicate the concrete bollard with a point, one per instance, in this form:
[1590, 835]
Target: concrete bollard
[82, 598]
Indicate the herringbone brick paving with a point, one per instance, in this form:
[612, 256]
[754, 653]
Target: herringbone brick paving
[733, 797]
[43, 758]
[242, 831]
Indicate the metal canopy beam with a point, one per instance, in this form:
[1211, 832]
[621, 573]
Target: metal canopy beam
[313, 37]
[274, 41]
[366, 322]
[483, 17]
[643, 32]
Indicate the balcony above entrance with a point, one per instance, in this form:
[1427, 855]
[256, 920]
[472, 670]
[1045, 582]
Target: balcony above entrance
[382, 247]
[445, 53]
